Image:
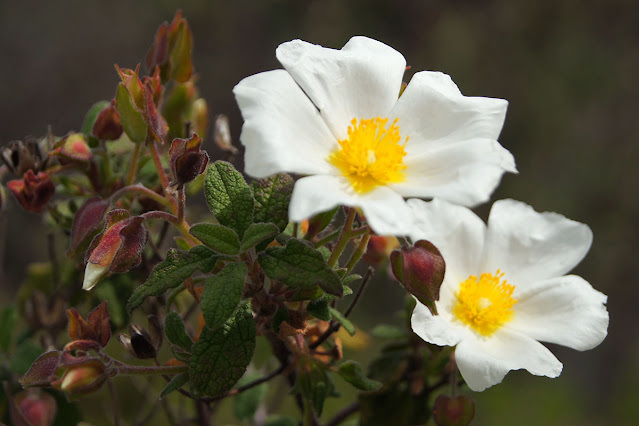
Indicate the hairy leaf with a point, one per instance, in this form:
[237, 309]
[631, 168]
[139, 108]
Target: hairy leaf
[221, 355]
[256, 233]
[348, 326]
[218, 237]
[175, 332]
[298, 265]
[319, 309]
[272, 196]
[178, 266]
[229, 197]
[222, 294]
[131, 117]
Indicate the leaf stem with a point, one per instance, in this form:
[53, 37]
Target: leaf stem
[344, 237]
[133, 167]
[141, 189]
[153, 148]
[358, 253]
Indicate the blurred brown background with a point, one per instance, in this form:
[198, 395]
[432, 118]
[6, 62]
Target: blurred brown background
[569, 70]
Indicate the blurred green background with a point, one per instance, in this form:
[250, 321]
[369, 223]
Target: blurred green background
[569, 69]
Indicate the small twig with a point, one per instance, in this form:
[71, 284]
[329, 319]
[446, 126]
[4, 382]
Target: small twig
[180, 204]
[357, 254]
[133, 167]
[343, 414]
[114, 404]
[250, 385]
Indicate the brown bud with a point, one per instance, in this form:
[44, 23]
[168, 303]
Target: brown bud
[33, 408]
[421, 270]
[22, 156]
[86, 220]
[139, 343]
[449, 411]
[188, 160]
[33, 191]
[108, 125]
[95, 328]
[116, 249]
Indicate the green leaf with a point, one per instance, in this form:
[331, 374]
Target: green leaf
[221, 355]
[176, 383]
[349, 279]
[175, 332]
[353, 373]
[178, 266]
[222, 293]
[314, 383]
[319, 309]
[218, 237]
[256, 233]
[8, 319]
[229, 197]
[91, 115]
[298, 265]
[272, 196]
[245, 404]
[348, 326]
[385, 331]
[131, 117]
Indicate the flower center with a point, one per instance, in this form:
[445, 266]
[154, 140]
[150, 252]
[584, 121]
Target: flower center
[372, 155]
[485, 304]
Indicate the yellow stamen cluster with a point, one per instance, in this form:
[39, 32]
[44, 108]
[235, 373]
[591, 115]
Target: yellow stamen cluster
[485, 304]
[372, 155]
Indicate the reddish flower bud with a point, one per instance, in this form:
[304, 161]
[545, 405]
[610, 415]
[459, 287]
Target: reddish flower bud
[84, 378]
[73, 148]
[187, 160]
[86, 220]
[421, 270]
[33, 408]
[95, 328]
[171, 50]
[116, 249]
[108, 125]
[453, 411]
[33, 191]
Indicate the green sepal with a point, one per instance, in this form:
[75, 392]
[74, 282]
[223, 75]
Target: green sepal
[175, 332]
[256, 233]
[217, 237]
[170, 273]
[222, 293]
[220, 356]
[299, 265]
[229, 197]
[176, 383]
[348, 326]
[131, 117]
[353, 373]
[272, 196]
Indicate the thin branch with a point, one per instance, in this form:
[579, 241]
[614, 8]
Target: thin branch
[344, 414]
[114, 404]
[250, 385]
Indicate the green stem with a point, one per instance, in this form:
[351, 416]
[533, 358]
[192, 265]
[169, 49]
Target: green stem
[358, 253]
[135, 370]
[133, 167]
[179, 224]
[161, 173]
[330, 237]
[344, 237]
[180, 204]
[141, 189]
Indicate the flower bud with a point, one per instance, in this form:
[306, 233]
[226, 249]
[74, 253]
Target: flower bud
[84, 378]
[187, 160]
[33, 408]
[86, 220]
[108, 125]
[33, 191]
[457, 411]
[73, 148]
[95, 328]
[421, 270]
[116, 249]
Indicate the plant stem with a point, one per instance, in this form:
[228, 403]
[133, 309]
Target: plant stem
[133, 167]
[180, 204]
[141, 189]
[358, 253]
[161, 173]
[344, 237]
[114, 404]
[327, 239]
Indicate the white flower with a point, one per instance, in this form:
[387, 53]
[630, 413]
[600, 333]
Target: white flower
[335, 117]
[521, 296]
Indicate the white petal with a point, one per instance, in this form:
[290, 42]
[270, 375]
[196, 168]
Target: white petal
[456, 231]
[93, 274]
[485, 362]
[432, 110]
[529, 246]
[386, 211]
[564, 310]
[435, 329]
[283, 131]
[464, 173]
[362, 80]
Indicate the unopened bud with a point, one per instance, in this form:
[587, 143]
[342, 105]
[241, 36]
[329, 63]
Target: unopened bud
[188, 160]
[457, 411]
[33, 408]
[82, 379]
[73, 148]
[108, 125]
[33, 191]
[421, 270]
[117, 249]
